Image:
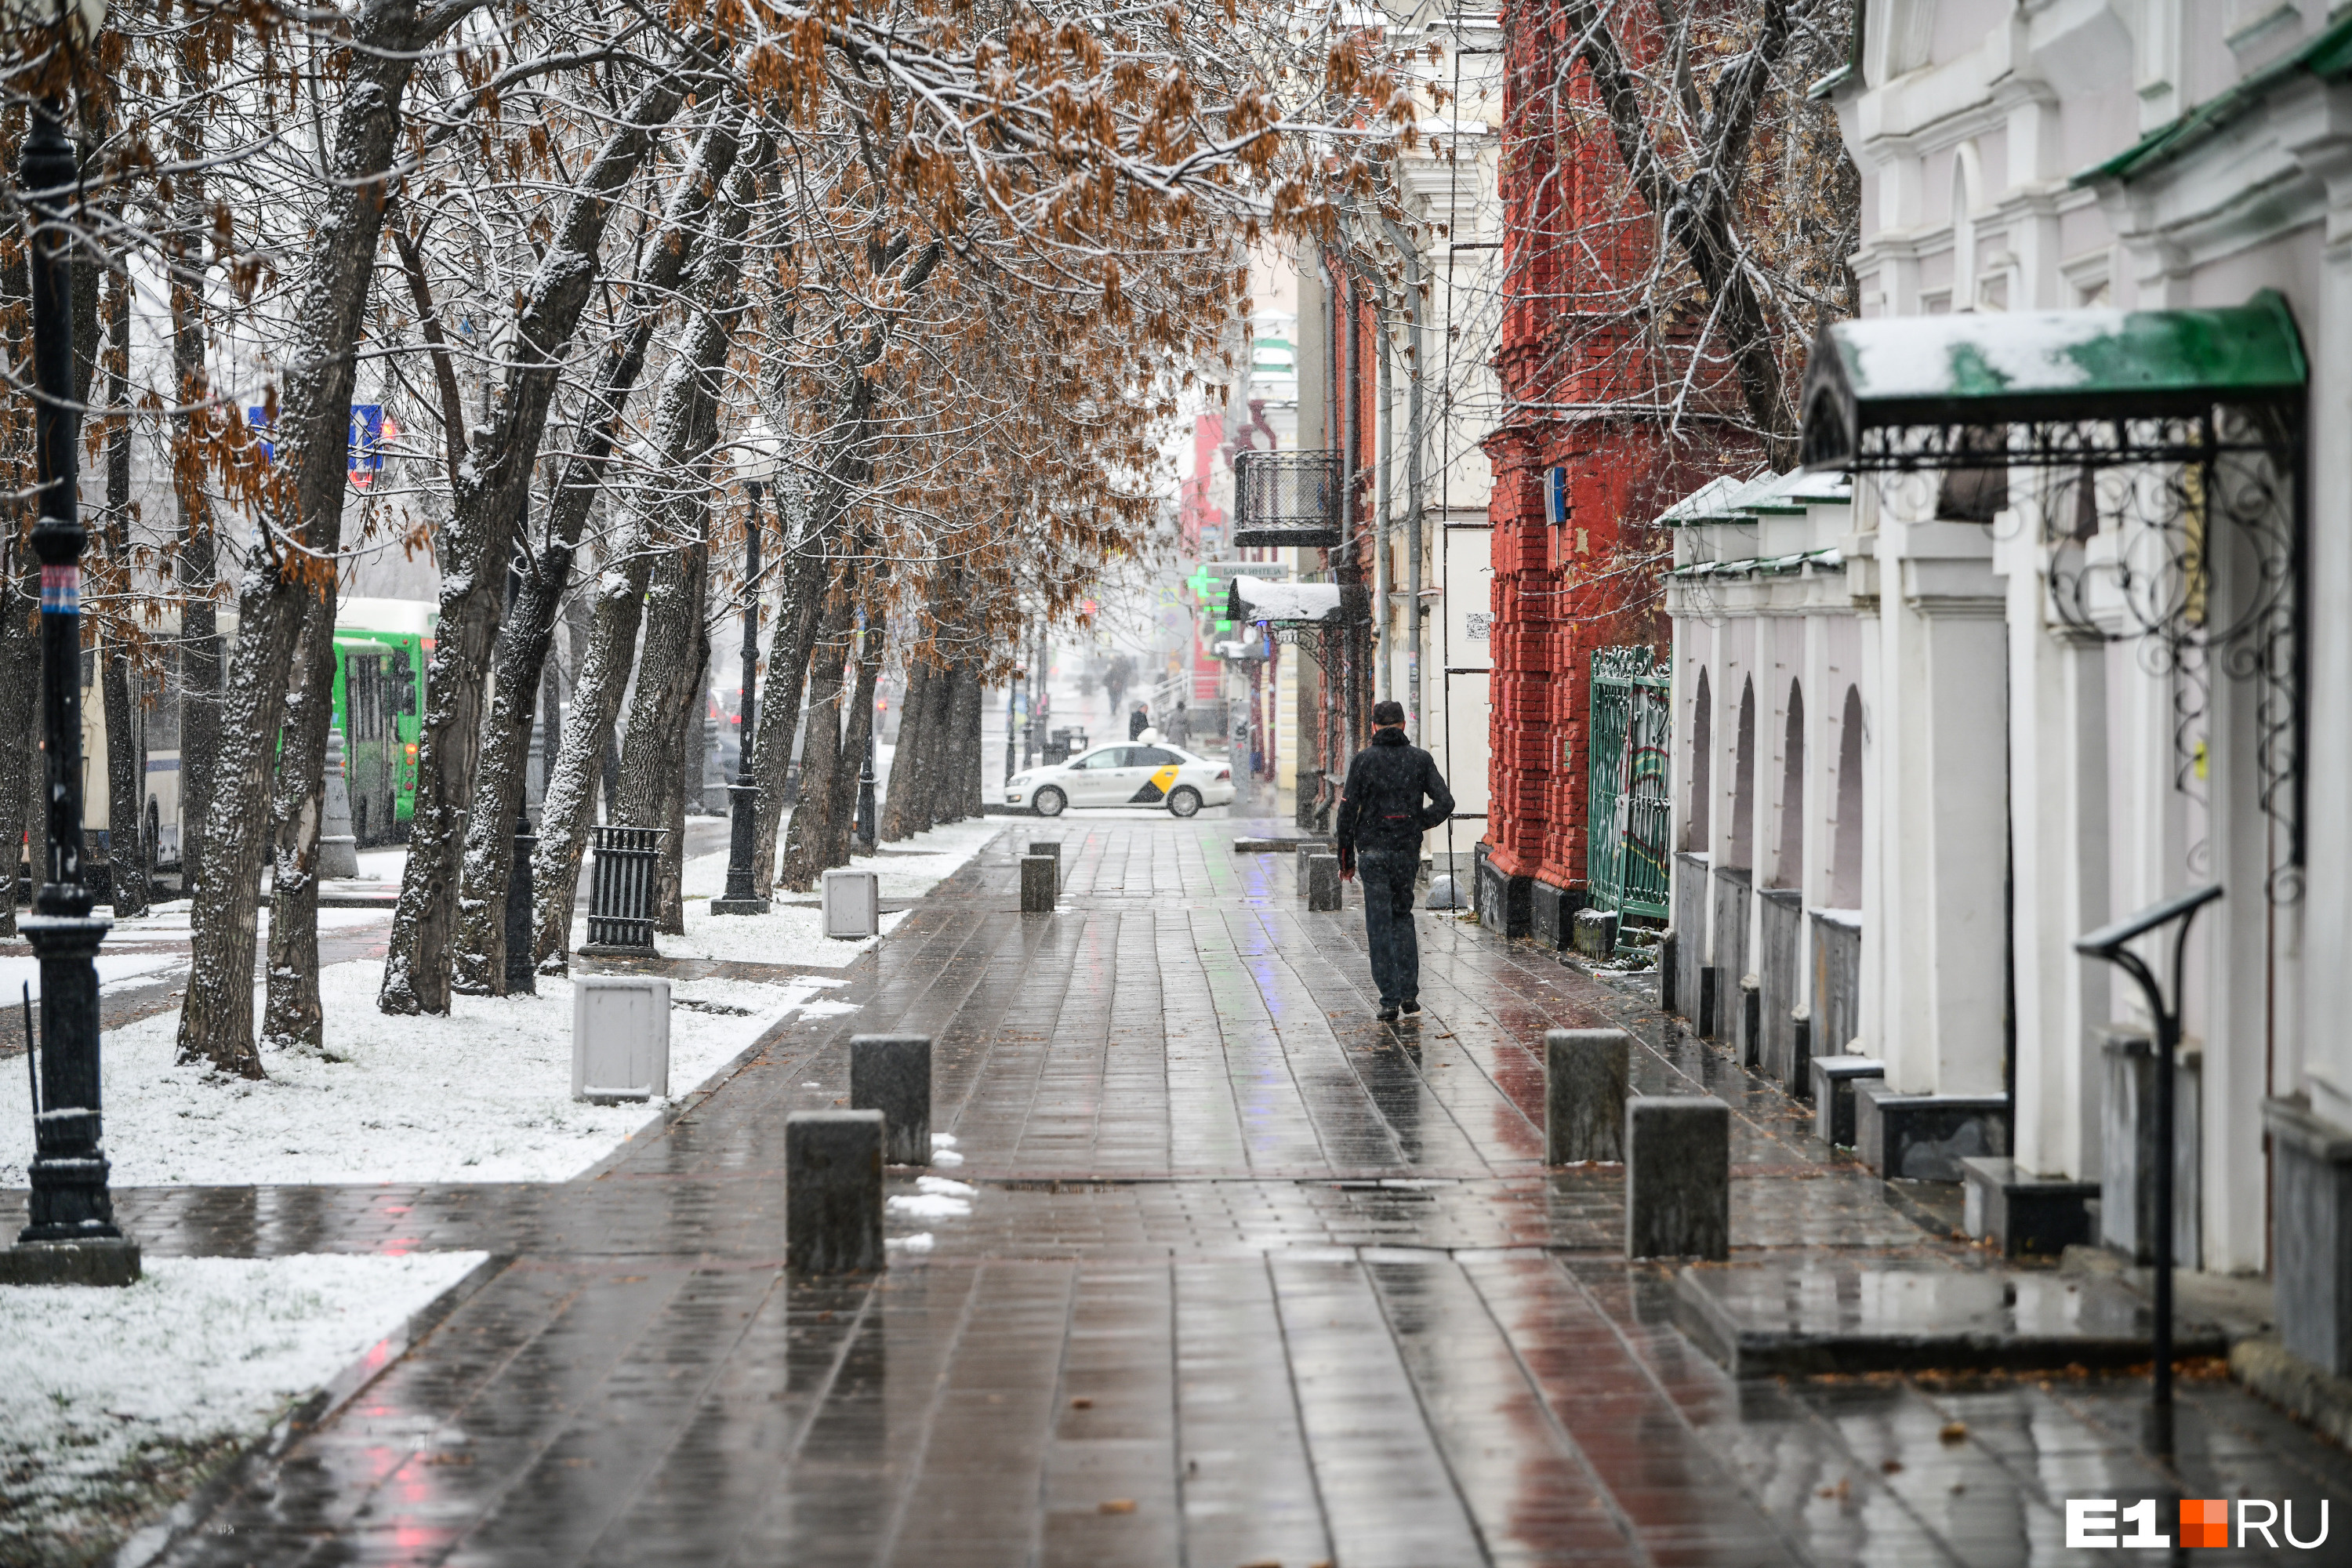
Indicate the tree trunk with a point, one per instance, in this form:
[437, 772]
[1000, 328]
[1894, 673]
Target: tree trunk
[808, 577]
[849, 769]
[291, 1018]
[664, 719]
[972, 797]
[529, 629]
[900, 816]
[956, 757]
[313, 437]
[684, 421]
[568, 810]
[807, 837]
[846, 467]
[125, 785]
[487, 502]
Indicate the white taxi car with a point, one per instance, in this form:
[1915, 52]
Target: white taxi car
[1127, 774]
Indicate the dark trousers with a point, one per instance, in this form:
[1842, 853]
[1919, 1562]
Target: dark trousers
[1387, 877]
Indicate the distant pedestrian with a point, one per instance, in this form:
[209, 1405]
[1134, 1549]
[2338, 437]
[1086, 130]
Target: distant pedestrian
[1139, 721]
[1180, 727]
[1381, 819]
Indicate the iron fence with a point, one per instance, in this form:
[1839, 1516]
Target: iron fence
[1631, 739]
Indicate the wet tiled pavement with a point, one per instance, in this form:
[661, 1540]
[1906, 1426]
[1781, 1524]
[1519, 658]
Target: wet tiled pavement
[1248, 1280]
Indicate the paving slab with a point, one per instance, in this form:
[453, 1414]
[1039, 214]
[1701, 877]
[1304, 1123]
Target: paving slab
[1242, 1275]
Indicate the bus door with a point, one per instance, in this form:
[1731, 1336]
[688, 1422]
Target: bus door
[369, 746]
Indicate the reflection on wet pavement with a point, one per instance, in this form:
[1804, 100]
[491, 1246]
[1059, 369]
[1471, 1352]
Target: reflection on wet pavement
[1248, 1278]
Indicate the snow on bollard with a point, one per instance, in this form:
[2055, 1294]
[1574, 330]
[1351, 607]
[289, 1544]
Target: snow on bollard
[1586, 1077]
[1677, 1177]
[619, 1037]
[833, 1191]
[892, 1074]
[1052, 846]
[853, 905]
[1321, 875]
[1039, 875]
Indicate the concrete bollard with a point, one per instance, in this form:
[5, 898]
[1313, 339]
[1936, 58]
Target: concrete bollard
[832, 1191]
[1669, 959]
[1050, 847]
[1039, 874]
[1677, 1177]
[1586, 1076]
[1321, 875]
[1833, 1081]
[892, 1074]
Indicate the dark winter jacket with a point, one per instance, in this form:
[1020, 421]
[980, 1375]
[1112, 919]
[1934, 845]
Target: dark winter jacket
[1380, 807]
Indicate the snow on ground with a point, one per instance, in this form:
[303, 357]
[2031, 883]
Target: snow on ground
[119, 1401]
[483, 1095]
[154, 943]
[796, 936]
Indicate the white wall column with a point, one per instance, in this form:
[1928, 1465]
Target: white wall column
[2058, 806]
[1943, 831]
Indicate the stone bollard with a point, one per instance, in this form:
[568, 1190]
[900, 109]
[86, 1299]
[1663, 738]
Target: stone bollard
[892, 1074]
[338, 851]
[1050, 847]
[1677, 1177]
[832, 1191]
[1587, 1075]
[1833, 1081]
[1039, 874]
[1321, 875]
[1669, 958]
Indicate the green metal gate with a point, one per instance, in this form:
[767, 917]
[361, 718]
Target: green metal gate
[1631, 731]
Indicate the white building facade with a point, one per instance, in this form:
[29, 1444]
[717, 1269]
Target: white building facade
[2091, 677]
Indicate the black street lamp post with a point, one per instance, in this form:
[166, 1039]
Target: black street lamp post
[72, 1238]
[868, 826]
[757, 467]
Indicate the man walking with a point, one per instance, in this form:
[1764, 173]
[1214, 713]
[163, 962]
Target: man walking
[1381, 819]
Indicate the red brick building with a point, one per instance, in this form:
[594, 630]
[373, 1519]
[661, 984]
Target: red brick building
[1582, 449]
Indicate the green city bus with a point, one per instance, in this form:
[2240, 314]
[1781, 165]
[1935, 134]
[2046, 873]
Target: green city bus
[380, 647]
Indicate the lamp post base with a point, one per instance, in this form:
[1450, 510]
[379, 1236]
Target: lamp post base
[742, 837]
[112, 1260]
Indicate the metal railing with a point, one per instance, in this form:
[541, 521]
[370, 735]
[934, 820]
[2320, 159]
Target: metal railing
[620, 894]
[1286, 498]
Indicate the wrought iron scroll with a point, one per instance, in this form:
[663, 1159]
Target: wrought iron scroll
[2184, 534]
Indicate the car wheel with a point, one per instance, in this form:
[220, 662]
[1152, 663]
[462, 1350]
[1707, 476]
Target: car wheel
[1050, 801]
[1184, 802]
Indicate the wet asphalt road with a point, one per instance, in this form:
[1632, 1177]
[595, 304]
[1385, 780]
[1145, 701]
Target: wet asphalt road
[1250, 1279]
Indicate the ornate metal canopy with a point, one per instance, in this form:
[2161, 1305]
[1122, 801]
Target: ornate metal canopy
[2163, 454]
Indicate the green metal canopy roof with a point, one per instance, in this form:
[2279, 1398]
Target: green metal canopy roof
[2328, 58]
[1981, 370]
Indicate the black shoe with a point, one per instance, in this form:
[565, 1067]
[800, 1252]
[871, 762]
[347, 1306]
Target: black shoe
[1388, 1014]
[1411, 1007]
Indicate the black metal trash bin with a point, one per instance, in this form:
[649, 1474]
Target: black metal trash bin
[621, 892]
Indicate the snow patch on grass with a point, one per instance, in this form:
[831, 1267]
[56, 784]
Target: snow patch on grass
[795, 936]
[120, 1402]
[483, 1095]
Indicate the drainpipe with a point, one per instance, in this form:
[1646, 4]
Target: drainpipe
[1413, 438]
[1384, 451]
